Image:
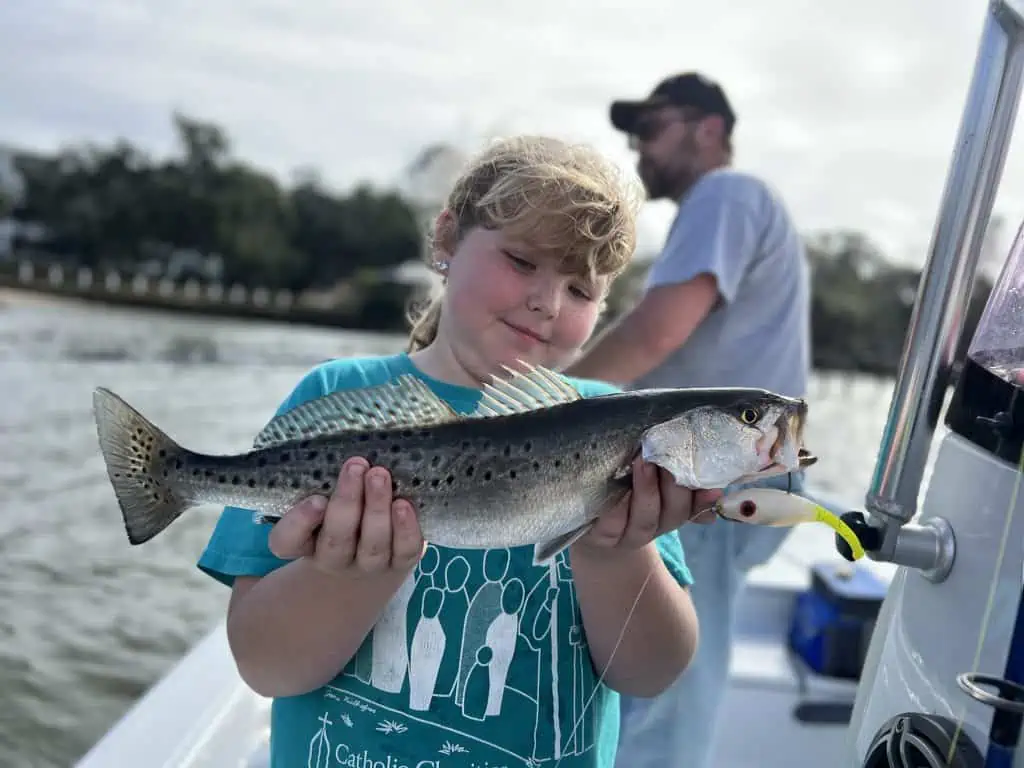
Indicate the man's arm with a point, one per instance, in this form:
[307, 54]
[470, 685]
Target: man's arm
[639, 341]
[708, 251]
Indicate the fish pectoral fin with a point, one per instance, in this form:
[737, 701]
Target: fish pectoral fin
[544, 551]
[521, 391]
[600, 502]
[405, 402]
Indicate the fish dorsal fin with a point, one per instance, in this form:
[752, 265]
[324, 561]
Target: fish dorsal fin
[522, 391]
[405, 402]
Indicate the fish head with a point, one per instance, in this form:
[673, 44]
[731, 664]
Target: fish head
[746, 435]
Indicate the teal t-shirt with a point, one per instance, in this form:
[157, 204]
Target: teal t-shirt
[479, 660]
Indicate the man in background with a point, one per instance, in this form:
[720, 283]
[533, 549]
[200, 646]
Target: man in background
[726, 303]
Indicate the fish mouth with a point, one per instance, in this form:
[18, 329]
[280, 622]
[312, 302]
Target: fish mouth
[781, 433]
[806, 458]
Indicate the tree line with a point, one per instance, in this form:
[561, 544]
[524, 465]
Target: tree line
[118, 206]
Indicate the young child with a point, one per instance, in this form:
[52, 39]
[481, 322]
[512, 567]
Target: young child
[380, 649]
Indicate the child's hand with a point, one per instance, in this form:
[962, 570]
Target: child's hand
[655, 506]
[361, 527]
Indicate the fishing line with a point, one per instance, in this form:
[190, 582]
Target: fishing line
[622, 634]
[990, 603]
[607, 666]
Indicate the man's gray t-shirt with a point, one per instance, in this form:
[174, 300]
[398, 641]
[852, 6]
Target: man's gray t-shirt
[733, 226]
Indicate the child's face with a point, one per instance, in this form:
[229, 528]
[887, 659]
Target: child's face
[508, 302]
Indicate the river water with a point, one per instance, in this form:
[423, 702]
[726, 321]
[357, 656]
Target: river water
[88, 622]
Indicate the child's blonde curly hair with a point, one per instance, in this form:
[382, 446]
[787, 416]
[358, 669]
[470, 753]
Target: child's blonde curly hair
[559, 197]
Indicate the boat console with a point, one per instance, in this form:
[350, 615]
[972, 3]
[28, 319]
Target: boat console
[943, 679]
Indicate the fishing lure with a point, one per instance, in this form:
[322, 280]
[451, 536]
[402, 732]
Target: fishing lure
[769, 506]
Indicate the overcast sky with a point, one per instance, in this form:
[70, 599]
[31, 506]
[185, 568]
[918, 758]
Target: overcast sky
[849, 109]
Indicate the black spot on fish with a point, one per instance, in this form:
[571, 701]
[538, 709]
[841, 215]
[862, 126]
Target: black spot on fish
[236, 480]
[536, 465]
[162, 453]
[285, 457]
[527, 446]
[396, 448]
[558, 462]
[416, 482]
[364, 437]
[325, 487]
[295, 483]
[331, 457]
[435, 482]
[450, 479]
[487, 476]
[271, 484]
[317, 474]
[470, 470]
[261, 461]
[222, 478]
[512, 474]
[252, 482]
[312, 455]
[507, 450]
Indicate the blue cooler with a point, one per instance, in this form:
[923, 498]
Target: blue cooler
[833, 620]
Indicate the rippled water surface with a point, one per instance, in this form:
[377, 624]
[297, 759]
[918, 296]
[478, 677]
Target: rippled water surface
[88, 622]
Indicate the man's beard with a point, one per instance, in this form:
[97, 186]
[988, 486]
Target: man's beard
[656, 181]
[664, 183]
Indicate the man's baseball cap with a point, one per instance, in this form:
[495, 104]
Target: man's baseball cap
[689, 89]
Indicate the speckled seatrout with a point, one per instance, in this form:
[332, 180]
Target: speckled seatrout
[536, 463]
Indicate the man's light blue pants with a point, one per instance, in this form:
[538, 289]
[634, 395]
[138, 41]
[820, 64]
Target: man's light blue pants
[677, 728]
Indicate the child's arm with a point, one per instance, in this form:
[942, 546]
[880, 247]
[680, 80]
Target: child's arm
[296, 628]
[657, 622]
[660, 636]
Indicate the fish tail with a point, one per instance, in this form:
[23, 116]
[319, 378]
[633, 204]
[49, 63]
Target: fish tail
[132, 447]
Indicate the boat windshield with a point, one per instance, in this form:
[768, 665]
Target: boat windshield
[998, 343]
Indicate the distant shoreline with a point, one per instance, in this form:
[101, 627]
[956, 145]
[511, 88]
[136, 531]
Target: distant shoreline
[20, 294]
[17, 296]
[41, 292]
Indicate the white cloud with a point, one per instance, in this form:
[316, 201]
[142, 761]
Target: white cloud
[850, 109]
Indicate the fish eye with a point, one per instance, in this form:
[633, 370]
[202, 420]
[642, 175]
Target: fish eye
[750, 415]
